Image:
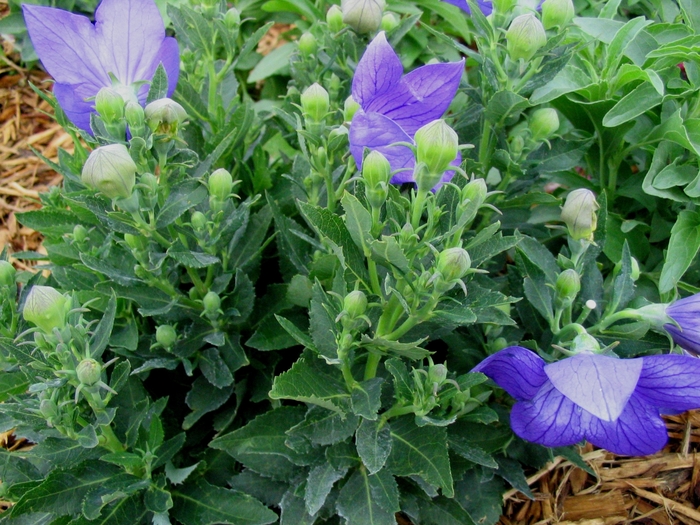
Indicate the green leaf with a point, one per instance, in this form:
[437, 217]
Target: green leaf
[623, 286]
[159, 85]
[52, 222]
[682, 249]
[358, 221]
[691, 13]
[12, 383]
[199, 503]
[443, 511]
[62, 451]
[471, 452]
[622, 39]
[300, 336]
[202, 398]
[388, 251]
[274, 63]
[325, 427]
[420, 451]
[366, 398]
[568, 80]
[369, 500]
[540, 296]
[294, 510]
[214, 368]
[319, 484]
[505, 104]
[301, 7]
[322, 325]
[123, 275]
[373, 445]
[511, 470]
[410, 350]
[100, 337]
[182, 197]
[190, 258]
[177, 476]
[312, 381]
[638, 101]
[481, 499]
[192, 28]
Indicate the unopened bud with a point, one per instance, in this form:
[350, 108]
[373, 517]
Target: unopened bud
[109, 104]
[220, 184]
[134, 115]
[634, 271]
[524, 37]
[198, 220]
[355, 303]
[364, 16]
[7, 274]
[338, 138]
[334, 19]
[48, 408]
[164, 115]
[453, 264]
[46, 308]
[436, 148]
[376, 171]
[349, 108]
[389, 22]
[557, 13]
[544, 122]
[585, 343]
[579, 214]
[110, 170]
[89, 371]
[79, 233]
[232, 19]
[437, 374]
[166, 335]
[136, 242]
[315, 102]
[567, 287]
[307, 44]
[211, 302]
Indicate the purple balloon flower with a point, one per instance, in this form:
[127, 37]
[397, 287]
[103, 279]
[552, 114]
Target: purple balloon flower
[127, 40]
[486, 6]
[686, 312]
[613, 403]
[393, 106]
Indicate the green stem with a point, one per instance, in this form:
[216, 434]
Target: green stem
[607, 321]
[417, 212]
[485, 147]
[111, 441]
[372, 365]
[374, 277]
[395, 411]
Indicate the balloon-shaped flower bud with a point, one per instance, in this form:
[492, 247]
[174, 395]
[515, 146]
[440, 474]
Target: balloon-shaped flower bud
[567, 287]
[166, 335]
[453, 264]
[634, 270]
[48, 408]
[544, 122]
[232, 19]
[80, 233]
[557, 13]
[364, 16]
[211, 302]
[164, 116]
[198, 220]
[88, 371]
[350, 108]
[109, 104]
[307, 44]
[472, 197]
[338, 138]
[437, 374]
[436, 148]
[334, 18]
[355, 303]
[111, 171]
[524, 37]
[46, 308]
[220, 184]
[579, 214]
[376, 171]
[315, 102]
[134, 114]
[585, 343]
[7, 274]
[389, 22]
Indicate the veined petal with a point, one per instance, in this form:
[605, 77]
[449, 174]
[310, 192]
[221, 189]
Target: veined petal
[73, 103]
[485, 5]
[130, 34]
[517, 370]
[377, 132]
[169, 56]
[549, 419]
[378, 71]
[688, 338]
[670, 382]
[66, 45]
[637, 432]
[599, 384]
[423, 95]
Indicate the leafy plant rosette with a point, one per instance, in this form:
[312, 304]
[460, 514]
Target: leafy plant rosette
[374, 271]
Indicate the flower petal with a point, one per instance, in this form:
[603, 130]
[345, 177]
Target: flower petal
[549, 419]
[169, 56]
[637, 432]
[517, 370]
[423, 95]
[66, 45]
[670, 382]
[377, 132]
[485, 6]
[73, 103]
[599, 384]
[378, 71]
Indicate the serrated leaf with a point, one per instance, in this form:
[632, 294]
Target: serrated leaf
[202, 398]
[159, 85]
[325, 427]
[319, 484]
[322, 324]
[369, 500]
[12, 383]
[182, 197]
[682, 249]
[373, 444]
[366, 398]
[471, 452]
[214, 368]
[511, 470]
[177, 476]
[358, 220]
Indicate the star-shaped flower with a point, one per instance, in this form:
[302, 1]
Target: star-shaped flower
[127, 41]
[393, 106]
[613, 403]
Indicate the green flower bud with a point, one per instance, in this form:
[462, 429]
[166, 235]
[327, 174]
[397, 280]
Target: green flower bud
[517, 144]
[110, 170]
[349, 108]
[136, 242]
[198, 220]
[376, 171]
[220, 184]
[634, 272]
[48, 408]
[79, 233]
[109, 104]
[579, 214]
[164, 116]
[389, 22]
[567, 287]
[211, 302]
[524, 37]
[437, 374]
[46, 308]
[364, 16]
[232, 19]
[307, 44]
[315, 102]
[585, 343]
[7, 274]
[544, 122]
[472, 197]
[166, 335]
[557, 13]
[334, 19]
[453, 263]
[355, 303]
[436, 147]
[338, 138]
[89, 371]
[135, 116]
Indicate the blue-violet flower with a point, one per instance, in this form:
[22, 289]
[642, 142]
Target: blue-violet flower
[613, 403]
[486, 6]
[393, 106]
[685, 312]
[126, 41]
